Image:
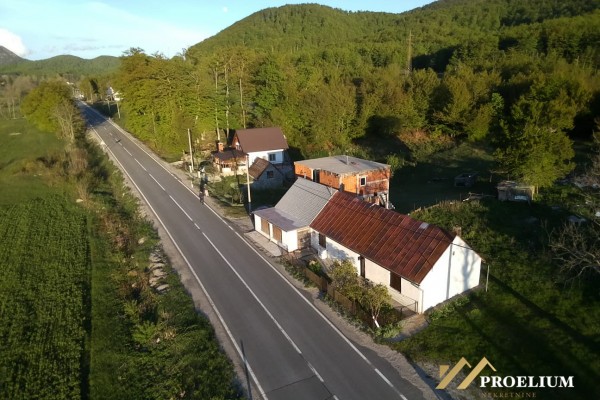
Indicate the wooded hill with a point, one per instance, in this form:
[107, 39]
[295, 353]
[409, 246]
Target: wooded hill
[68, 66]
[521, 76]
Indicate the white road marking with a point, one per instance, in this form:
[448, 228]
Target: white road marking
[360, 354]
[136, 160]
[254, 295]
[157, 182]
[211, 302]
[125, 148]
[196, 225]
[335, 328]
[315, 372]
[181, 208]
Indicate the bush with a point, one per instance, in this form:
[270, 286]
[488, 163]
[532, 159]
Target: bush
[422, 144]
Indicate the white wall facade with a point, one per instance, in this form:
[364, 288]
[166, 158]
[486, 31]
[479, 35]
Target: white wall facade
[289, 239]
[373, 272]
[265, 155]
[334, 251]
[455, 272]
[409, 292]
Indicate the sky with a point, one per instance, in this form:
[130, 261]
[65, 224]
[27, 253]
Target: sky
[40, 29]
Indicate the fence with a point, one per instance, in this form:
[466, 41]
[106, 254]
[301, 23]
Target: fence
[350, 306]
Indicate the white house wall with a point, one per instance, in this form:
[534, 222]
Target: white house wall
[258, 227]
[373, 272]
[456, 271]
[289, 240]
[265, 155]
[377, 274]
[335, 251]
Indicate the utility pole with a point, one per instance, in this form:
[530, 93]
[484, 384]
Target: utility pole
[248, 183]
[191, 156]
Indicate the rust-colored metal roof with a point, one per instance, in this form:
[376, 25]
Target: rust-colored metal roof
[403, 245]
[261, 139]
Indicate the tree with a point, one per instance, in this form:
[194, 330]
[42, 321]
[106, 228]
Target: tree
[51, 108]
[374, 297]
[534, 147]
[577, 249]
[346, 280]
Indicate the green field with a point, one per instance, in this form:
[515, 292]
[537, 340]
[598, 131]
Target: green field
[45, 271]
[25, 155]
[432, 181]
[78, 319]
[43, 291]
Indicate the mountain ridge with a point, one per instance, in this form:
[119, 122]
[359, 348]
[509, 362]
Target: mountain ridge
[8, 57]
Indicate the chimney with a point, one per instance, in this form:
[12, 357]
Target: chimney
[220, 146]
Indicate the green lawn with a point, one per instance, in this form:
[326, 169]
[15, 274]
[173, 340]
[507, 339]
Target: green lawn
[25, 154]
[432, 181]
[531, 321]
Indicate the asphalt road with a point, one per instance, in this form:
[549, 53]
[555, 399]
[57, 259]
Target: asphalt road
[291, 351]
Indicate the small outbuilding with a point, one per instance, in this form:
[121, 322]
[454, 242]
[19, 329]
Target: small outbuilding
[288, 223]
[514, 191]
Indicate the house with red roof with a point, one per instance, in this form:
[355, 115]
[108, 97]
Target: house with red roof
[421, 264]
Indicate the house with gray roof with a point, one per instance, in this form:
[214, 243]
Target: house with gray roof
[288, 223]
[366, 179]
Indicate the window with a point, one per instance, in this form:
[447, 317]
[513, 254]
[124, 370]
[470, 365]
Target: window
[363, 181]
[361, 260]
[270, 175]
[316, 176]
[395, 282]
[322, 241]
[272, 157]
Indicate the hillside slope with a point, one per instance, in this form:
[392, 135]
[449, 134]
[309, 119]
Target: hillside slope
[8, 57]
[65, 65]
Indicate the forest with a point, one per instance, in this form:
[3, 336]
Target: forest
[520, 77]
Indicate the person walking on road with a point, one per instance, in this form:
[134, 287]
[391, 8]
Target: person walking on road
[201, 194]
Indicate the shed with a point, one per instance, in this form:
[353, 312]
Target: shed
[514, 191]
[288, 223]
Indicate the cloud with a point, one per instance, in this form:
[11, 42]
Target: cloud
[12, 42]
